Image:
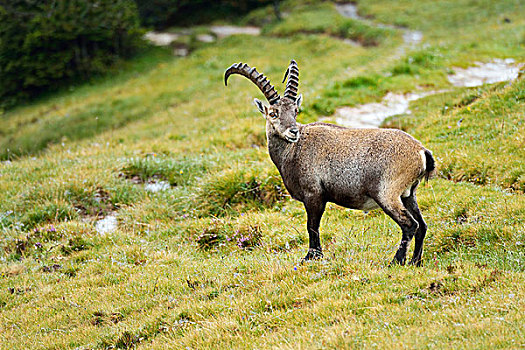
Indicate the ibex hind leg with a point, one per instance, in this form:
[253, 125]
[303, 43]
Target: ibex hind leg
[411, 204]
[314, 206]
[409, 226]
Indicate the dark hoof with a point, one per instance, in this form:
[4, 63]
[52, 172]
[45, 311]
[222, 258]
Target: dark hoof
[396, 262]
[313, 254]
[415, 262]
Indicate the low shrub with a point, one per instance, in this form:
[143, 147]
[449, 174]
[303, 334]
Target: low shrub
[163, 13]
[45, 43]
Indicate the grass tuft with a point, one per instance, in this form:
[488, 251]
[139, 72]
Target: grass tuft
[177, 172]
[238, 190]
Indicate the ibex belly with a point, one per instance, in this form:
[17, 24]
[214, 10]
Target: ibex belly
[363, 203]
[369, 204]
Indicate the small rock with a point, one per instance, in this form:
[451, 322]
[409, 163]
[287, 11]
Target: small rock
[206, 38]
[181, 51]
[106, 225]
[157, 186]
[161, 39]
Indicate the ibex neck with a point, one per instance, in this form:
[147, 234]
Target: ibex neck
[280, 150]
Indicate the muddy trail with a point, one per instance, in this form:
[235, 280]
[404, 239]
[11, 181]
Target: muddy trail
[372, 115]
[411, 38]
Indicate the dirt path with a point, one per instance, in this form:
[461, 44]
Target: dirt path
[485, 73]
[224, 31]
[215, 32]
[372, 115]
[411, 38]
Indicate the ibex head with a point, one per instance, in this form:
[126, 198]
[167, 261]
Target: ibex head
[281, 114]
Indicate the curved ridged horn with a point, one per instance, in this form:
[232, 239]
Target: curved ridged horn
[257, 78]
[292, 85]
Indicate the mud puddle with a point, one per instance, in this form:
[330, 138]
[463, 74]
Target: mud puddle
[157, 186]
[371, 115]
[106, 225]
[485, 73]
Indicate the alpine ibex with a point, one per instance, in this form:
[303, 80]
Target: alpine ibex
[356, 168]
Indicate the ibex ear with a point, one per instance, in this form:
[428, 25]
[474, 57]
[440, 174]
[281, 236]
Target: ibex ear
[299, 100]
[260, 106]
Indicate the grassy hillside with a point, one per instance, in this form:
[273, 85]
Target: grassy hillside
[213, 260]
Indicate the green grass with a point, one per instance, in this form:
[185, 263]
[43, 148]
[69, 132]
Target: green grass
[212, 261]
[440, 19]
[324, 19]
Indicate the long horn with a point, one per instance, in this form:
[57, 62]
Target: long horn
[292, 85]
[257, 78]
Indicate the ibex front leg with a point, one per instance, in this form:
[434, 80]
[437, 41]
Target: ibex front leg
[314, 206]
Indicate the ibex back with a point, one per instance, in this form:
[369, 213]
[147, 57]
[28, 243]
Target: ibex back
[356, 168]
